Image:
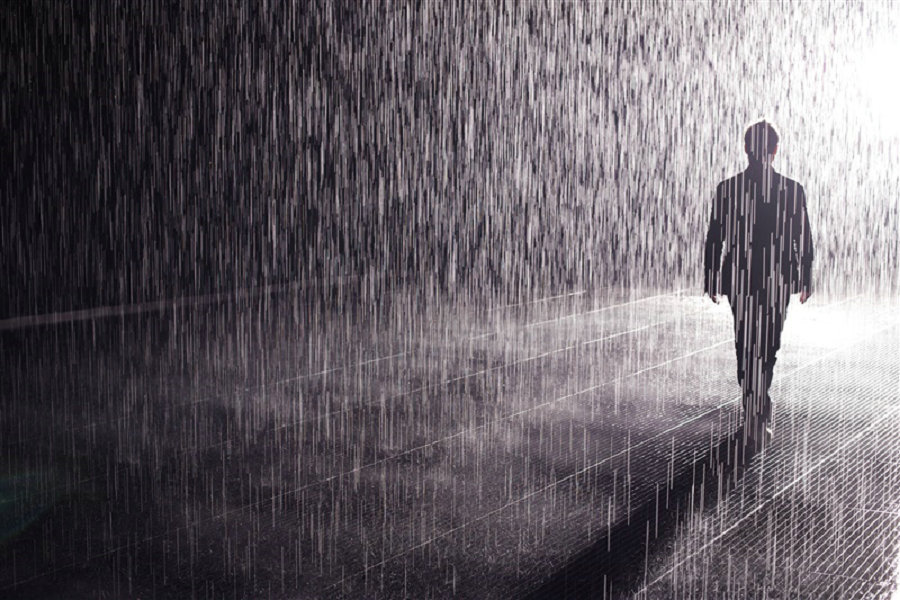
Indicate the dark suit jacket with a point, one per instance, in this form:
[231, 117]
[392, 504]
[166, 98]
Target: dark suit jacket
[758, 237]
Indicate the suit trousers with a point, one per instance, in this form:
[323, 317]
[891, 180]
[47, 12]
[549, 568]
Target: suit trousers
[758, 321]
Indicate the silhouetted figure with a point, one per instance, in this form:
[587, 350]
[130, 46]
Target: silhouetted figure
[759, 251]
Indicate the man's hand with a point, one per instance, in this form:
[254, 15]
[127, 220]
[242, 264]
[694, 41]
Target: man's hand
[804, 296]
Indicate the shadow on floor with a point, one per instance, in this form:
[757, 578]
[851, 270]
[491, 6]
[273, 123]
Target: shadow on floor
[616, 563]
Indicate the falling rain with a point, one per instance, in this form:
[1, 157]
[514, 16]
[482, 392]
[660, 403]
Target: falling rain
[335, 299]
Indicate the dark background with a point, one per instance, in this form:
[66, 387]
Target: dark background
[155, 150]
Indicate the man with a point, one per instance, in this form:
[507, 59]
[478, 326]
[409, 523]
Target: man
[758, 252]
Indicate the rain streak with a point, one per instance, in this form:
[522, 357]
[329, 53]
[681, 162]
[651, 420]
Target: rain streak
[335, 299]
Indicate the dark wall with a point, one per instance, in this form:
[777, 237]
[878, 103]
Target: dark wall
[143, 158]
[160, 149]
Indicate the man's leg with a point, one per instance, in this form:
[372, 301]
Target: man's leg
[738, 311]
[761, 331]
[747, 330]
[773, 314]
[758, 322]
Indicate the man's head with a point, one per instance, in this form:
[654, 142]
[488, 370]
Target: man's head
[761, 142]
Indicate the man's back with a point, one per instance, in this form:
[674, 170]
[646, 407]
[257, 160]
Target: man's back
[760, 229]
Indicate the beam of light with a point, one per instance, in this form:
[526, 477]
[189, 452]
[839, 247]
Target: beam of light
[879, 85]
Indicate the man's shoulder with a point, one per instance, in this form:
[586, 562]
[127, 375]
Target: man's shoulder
[792, 186]
[731, 180]
[730, 186]
[726, 186]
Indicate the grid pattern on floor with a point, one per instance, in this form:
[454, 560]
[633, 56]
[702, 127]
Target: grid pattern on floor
[435, 462]
[819, 515]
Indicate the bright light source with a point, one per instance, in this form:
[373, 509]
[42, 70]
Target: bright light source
[879, 80]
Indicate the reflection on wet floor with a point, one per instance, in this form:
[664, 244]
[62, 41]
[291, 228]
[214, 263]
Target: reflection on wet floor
[413, 449]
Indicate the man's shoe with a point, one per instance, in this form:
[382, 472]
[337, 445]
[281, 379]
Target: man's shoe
[764, 437]
[758, 438]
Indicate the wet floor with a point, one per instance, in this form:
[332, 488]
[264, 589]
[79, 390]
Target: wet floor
[282, 446]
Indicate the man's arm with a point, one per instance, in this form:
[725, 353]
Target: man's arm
[805, 249]
[713, 250]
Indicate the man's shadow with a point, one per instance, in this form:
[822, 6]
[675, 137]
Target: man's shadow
[616, 563]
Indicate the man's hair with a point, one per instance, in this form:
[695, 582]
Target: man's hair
[760, 139]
